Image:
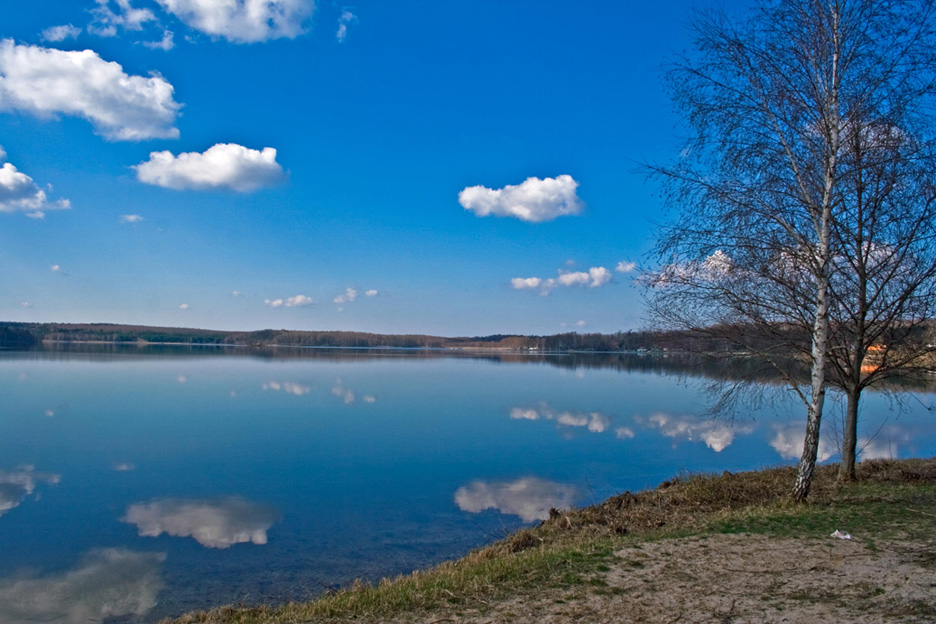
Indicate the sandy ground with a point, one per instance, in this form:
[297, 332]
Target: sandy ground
[741, 578]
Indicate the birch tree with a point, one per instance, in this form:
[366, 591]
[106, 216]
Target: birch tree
[781, 105]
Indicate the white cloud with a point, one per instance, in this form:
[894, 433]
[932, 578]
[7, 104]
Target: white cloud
[165, 44]
[216, 523]
[348, 297]
[124, 467]
[371, 293]
[105, 21]
[625, 267]
[299, 301]
[16, 486]
[46, 82]
[222, 166]
[130, 218]
[243, 21]
[595, 277]
[19, 193]
[55, 268]
[347, 17]
[60, 33]
[109, 583]
[184, 306]
[580, 323]
[235, 293]
[521, 283]
[533, 201]
[529, 498]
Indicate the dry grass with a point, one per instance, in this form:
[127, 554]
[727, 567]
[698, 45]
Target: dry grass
[567, 549]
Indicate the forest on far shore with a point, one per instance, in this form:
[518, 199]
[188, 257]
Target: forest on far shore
[25, 335]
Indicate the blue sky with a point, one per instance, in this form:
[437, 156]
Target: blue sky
[454, 168]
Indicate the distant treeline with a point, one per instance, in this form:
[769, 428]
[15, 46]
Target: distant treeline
[24, 335]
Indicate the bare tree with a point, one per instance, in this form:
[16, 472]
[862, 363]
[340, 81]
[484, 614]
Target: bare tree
[884, 241]
[789, 111]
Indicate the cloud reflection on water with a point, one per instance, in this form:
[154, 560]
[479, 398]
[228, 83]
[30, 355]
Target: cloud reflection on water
[717, 435]
[596, 422]
[16, 486]
[217, 523]
[288, 387]
[788, 441]
[108, 583]
[530, 498]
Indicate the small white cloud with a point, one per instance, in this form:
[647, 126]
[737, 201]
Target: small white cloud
[625, 267]
[369, 399]
[165, 44]
[595, 277]
[235, 293]
[18, 191]
[529, 498]
[223, 166]
[347, 17]
[580, 323]
[522, 283]
[299, 301]
[25, 304]
[60, 33]
[348, 297]
[599, 276]
[216, 523]
[124, 467]
[371, 293]
[533, 201]
[130, 218]
[106, 22]
[55, 268]
[184, 306]
[47, 82]
[243, 21]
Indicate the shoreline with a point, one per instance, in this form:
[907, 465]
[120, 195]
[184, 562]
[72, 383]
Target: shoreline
[633, 551]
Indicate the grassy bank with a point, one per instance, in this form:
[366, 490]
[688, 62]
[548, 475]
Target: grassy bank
[571, 553]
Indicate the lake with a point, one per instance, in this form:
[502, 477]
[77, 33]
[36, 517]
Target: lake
[139, 483]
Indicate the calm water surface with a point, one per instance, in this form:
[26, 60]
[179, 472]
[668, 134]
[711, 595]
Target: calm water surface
[138, 484]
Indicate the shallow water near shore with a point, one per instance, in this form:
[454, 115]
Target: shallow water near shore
[137, 484]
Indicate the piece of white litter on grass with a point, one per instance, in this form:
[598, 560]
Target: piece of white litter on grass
[841, 534]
